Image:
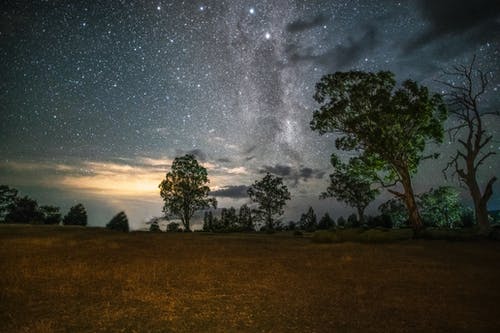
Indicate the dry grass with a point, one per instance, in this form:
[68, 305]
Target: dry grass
[89, 280]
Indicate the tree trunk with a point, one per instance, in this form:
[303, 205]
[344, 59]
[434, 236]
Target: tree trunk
[409, 198]
[481, 202]
[361, 215]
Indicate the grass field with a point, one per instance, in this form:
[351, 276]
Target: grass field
[67, 279]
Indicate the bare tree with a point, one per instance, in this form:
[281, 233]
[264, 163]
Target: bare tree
[464, 97]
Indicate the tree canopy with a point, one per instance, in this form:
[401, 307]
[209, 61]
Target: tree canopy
[119, 222]
[77, 215]
[271, 195]
[352, 183]
[389, 126]
[184, 189]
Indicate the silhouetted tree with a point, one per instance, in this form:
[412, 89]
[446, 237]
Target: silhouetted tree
[173, 227]
[390, 127]
[396, 210]
[441, 206]
[51, 214]
[185, 189]
[308, 221]
[271, 195]
[245, 220]
[228, 219]
[155, 226]
[326, 222]
[8, 196]
[352, 221]
[208, 220]
[352, 183]
[24, 210]
[77, 215]
[341, 221]
[469, 130]
[119, 222]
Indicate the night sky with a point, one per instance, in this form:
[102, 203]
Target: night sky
[98, 97]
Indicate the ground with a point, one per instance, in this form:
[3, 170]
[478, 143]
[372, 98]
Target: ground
[73, 279]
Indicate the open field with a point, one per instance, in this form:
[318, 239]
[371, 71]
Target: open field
[68, 279]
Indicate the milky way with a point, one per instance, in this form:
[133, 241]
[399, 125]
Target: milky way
[97, 98]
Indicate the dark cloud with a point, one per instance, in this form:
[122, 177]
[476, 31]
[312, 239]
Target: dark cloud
[232, 191]
[473, 21]
[341, 56]
[224, 160]
[301, 25]
[278, 170]
[292, 174]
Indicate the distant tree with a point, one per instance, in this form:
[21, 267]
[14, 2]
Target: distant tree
[24, 210]
[326, 222]
[8, 196]
[467, 87]
[228, 219]
[390, 127]
[352, 183]
[467, 217]
[341, 221]
[51, 214]
[271, 195]
[441, 206]
[382, 220]
[77, 215]
[308, 221]
[396, 210]
[155, 226]
[208, 221]
[173, 227]
[352, 221]
[185, 189]
[119, 222]
[245, 220]
[292, 225]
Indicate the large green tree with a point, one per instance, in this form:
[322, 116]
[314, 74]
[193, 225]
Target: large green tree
[184, 189]
[389, 126]
[352, 183]
[271, 195]
[465, 90]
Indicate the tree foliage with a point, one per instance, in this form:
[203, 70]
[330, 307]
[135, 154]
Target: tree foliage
[308, 221]
[271, 195]
[184, 189]
[441, 207]
[24, 210]
[396, 210]
[245, 219]
[390, 126]
[467, 86]
[119, 222]
[51, 214]
[8, 196]
[352, 183]
[77, 215]
[326, 222]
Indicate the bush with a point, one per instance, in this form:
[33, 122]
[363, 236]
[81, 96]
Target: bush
[119, 222]
[173, 227]
[77, 215]
[154, 227]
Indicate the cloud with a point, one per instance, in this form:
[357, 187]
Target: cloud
[231, 191]
[292, 174]
[301, 25]
[341, 56]
[199, 154]
[472, 21]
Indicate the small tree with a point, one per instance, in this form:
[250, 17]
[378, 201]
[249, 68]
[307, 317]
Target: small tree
[326, 222]
[271, 195]
[390, 127]
[441, 206]
[308, 221]
[119, 222]
[341, 221]
[24, 210]
[77, 215]
[173, 227]
[51, 214]
[352, 221]
[185, 190]
[464, 100]
[396, 210]
[8, 197]
[352, 183]
[208, 221]
[155, 226]
[245, 220]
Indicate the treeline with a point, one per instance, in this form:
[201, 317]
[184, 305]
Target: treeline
[15, 209]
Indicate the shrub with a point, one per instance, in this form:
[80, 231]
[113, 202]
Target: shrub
[119, 222]
[77, 215]
[173, 227]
